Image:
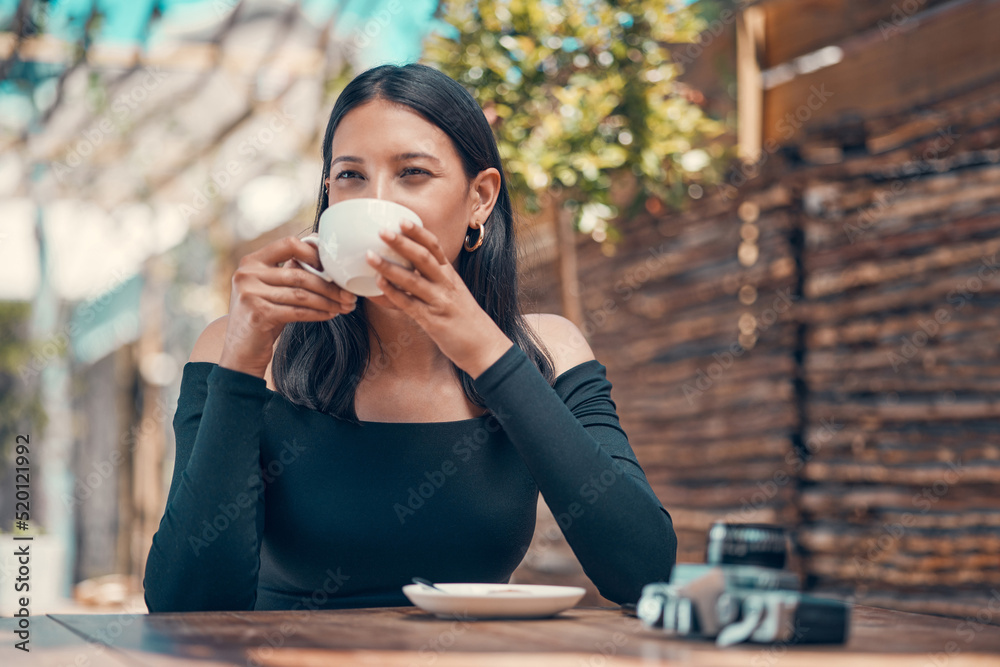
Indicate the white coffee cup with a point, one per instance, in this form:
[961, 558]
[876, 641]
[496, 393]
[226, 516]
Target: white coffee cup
[347, 231]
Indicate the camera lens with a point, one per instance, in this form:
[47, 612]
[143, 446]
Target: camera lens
[746, 544]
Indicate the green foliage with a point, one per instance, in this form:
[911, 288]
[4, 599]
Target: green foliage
[20, 406]
[584, 94]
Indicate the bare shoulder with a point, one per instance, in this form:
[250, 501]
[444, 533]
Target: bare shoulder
[565, 342]
[208, 347]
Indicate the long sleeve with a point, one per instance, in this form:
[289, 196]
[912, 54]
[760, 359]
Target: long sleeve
[584, 467]
[205, 554]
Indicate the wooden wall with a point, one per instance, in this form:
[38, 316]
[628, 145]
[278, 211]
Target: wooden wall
[803, 63]
[901, 318]
[854, 268]
[799, 27]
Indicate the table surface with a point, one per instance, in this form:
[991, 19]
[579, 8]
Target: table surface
[408, 636]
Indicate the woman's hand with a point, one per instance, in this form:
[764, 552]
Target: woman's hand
[435, 296]
[267, 295]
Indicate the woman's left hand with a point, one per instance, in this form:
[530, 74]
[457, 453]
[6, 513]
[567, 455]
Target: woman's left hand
[436, 297]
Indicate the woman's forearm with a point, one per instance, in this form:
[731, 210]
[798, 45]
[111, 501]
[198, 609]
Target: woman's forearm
[588, 475]
[205, 554]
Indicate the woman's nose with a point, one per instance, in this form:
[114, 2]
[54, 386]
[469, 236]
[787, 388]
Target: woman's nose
[377, 187]
[382, 187]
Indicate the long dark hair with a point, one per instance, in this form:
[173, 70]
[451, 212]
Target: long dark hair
[319, 364]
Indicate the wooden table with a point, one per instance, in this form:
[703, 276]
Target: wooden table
[409, 637]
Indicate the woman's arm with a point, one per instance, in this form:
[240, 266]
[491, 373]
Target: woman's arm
[621, 534]
[585, 469]
[206, 553]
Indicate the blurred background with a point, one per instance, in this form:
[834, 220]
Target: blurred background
[777, 223]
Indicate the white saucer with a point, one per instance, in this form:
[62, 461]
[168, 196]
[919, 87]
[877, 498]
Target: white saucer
[465, 601]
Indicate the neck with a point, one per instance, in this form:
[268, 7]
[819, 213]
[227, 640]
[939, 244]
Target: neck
[406, 349]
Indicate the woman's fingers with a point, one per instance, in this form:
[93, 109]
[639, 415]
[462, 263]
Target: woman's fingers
[295, 278]
[424, 237]
[396, 296]
[420, 248]
[406, 280]
[279, 291]
[267, 295]
[298, 297]
[290, 247]
[269, 302]
[283, 282]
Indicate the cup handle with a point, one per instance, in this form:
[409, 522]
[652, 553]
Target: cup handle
[313, 241]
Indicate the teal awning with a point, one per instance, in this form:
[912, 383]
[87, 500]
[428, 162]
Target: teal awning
[103, 324]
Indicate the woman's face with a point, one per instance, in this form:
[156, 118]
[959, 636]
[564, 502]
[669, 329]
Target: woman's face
[384, 150]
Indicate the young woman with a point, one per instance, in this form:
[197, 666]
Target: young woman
[331, 448]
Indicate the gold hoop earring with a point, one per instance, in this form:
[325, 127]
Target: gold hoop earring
[479, 238]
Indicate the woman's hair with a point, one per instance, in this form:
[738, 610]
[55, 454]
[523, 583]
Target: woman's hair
[319, 364]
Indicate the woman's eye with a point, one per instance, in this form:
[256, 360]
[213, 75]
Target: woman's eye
[414, 171]
[348, 174]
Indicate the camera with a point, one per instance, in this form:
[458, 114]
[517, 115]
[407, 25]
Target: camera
[742, 594]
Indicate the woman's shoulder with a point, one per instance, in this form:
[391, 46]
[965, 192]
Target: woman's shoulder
[208, 347]
[564, 341]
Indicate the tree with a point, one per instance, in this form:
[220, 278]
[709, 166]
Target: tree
[584, 100]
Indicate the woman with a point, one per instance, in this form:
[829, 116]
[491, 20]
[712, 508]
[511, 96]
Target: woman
[329, 449]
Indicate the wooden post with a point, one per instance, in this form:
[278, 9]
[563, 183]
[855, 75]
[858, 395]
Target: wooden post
[569, 281]
[750, 91]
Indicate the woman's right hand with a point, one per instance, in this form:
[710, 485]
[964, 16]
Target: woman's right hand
[268, 291]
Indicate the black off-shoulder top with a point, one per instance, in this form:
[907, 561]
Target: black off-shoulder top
[276, 506]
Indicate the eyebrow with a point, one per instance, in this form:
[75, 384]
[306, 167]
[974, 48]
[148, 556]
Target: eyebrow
[410, 156]
[398, 158]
